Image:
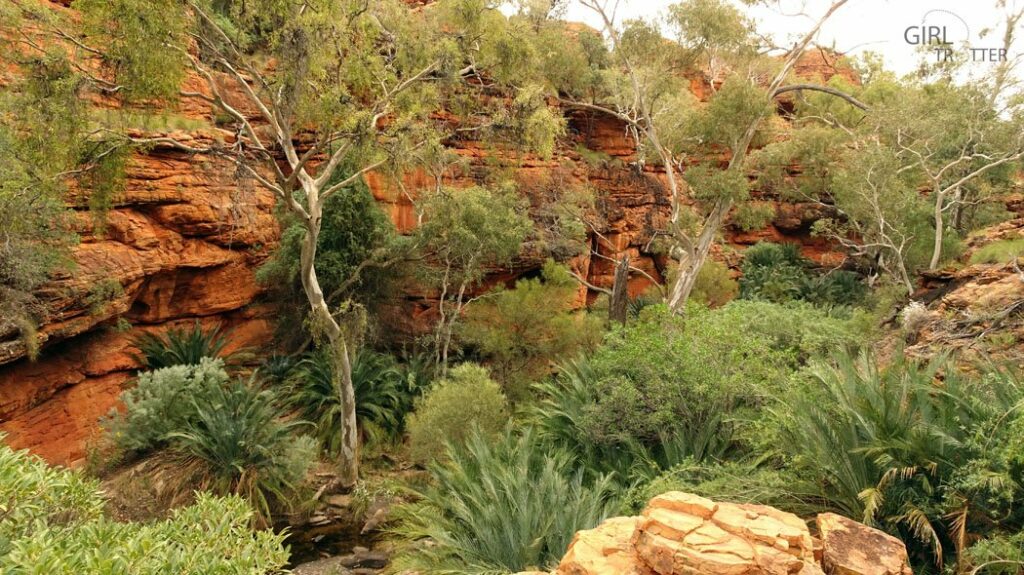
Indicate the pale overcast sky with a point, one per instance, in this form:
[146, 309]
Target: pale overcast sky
[876, 25]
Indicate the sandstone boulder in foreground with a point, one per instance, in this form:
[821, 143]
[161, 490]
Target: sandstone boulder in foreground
[684, 534]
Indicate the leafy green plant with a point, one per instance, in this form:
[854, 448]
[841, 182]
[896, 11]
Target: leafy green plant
[714, 286]
[465, 399]
[101, 294]
[885, 445]
[501, 506]
[735, 481]
[216, 433]
[522, 331]
[159, 404]
[53, 523]
[383, 396]
[180, 346]
[238, 442]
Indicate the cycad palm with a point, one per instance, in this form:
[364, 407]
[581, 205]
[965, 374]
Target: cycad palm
[509, 506]
[883, 441]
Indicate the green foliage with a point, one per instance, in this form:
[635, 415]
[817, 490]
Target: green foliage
[522, 331]
[999, 555]
[466, 399]
[136, 36]
[41, 127]
[234, 440]
[499, 506]
[37, 497]
[887, 445]
[159, 404]
[658, 394]
[655, 376]
[101, 294]
[999, 252]
[53, 523]
[355, 233]
[384, 395]
[714, 286]
[778, 273]
[105, 177]
[738, 482]
[180, 346]
[468, 229]
[224, 435]
[752, 216]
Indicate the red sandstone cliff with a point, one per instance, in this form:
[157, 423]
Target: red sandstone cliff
[186, 236]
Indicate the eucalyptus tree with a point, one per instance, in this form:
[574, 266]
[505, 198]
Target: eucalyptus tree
[936, 145]
[702, 147]
[316, 95]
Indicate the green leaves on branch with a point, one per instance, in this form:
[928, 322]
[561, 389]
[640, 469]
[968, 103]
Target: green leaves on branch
[140, 40]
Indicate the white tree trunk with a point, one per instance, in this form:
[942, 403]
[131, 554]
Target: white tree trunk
[348, 459]
[940, 227]
[692, 260]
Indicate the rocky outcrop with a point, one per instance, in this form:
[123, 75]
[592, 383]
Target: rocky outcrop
[186, 235]
[684, 534]
[975, 310]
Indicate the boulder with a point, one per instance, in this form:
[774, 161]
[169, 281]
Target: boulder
[851, 548]
[604, 550]
[685, 534]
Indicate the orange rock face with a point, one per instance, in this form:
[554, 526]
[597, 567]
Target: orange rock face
[182, 243]
[185, 237]
[685, 534]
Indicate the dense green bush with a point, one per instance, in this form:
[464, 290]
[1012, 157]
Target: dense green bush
[52, 523]
[666, 390]
[891, 446]
[663, 374]
[714, 285]
[217, 433]
[522, 331]
[466, 398]
[779, 273]
[179, 346]
[384, 395]
[159, 403]
[495, 507]
[237, 442]
[736, 481]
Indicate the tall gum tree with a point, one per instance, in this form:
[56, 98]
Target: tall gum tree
[317, 93]
[643, 82]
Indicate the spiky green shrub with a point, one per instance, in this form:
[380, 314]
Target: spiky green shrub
[52, 522]
[886, 445]
[220, 434]
[160, 403]
[384, 395]
[779, 273]
[237, 441]
[498, 507]
[465, 399]
[276, 368]
[179, 346]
